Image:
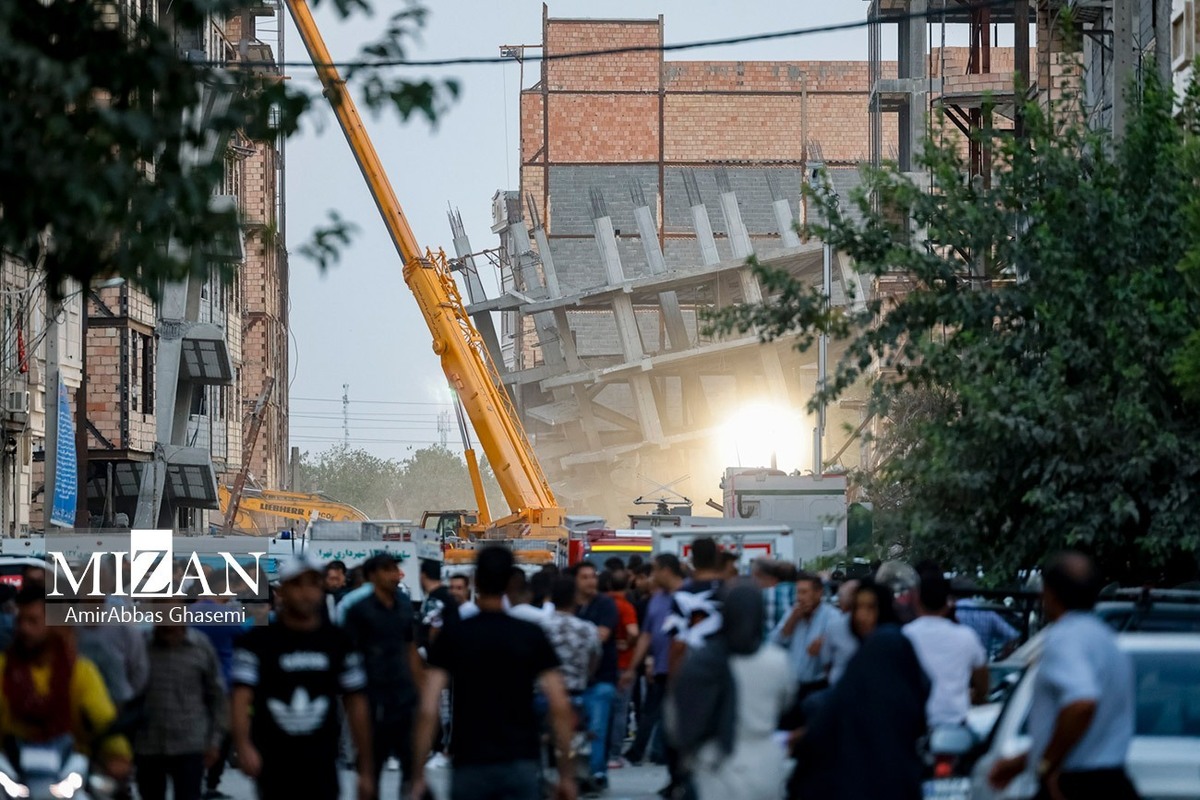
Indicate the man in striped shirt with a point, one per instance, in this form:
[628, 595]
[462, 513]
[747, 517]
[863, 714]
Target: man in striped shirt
[777, 579]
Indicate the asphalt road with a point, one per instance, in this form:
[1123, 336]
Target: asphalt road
[630, 783]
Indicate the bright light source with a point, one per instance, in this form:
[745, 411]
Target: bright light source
[756, 432]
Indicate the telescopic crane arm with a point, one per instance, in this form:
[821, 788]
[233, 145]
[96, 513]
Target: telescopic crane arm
[465, 359]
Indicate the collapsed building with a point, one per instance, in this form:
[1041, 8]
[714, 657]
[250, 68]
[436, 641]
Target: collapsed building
[645, 186]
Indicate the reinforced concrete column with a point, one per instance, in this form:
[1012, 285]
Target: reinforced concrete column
[700, 221]
[560, 323]
[626, 320]
[475, 292]
[752, 294]
[668, 301]
[784, 221]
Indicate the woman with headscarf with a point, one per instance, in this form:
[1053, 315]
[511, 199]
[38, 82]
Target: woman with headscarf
[863, 740]
[725, 706]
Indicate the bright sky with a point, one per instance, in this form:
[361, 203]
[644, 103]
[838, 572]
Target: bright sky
[358, 324]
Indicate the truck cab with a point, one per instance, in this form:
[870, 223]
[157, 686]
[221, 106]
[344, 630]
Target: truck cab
[455, 524]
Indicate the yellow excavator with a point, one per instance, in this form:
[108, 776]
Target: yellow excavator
[534, 511]
[256, 504]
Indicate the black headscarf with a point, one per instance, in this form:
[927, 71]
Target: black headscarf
[703, 694]
[885, 601]
[863, 740]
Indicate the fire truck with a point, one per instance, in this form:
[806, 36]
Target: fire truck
[600, 544]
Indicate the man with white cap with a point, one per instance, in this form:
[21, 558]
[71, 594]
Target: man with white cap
[291, 673]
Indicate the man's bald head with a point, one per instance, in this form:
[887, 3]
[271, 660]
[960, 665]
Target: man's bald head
[1072, 580]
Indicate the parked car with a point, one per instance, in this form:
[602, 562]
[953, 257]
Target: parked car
[1164, 759]
[1146, 611]
[12, 569]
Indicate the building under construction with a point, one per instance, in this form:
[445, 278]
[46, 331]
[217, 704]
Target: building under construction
[157, 391]
[645, 186]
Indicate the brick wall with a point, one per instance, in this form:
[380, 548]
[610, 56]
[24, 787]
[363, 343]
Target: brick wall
[597, 127]
[637, 71]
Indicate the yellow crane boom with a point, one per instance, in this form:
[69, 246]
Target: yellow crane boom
[465, 359]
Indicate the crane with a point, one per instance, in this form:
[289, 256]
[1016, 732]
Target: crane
[534, 510]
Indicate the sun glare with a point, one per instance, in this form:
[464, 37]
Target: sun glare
[755, 432]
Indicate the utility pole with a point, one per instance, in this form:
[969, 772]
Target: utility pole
[346, 414]
[295, 468]
[816, 172]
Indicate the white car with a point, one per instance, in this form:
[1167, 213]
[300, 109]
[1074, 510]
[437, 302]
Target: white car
[1164, 759]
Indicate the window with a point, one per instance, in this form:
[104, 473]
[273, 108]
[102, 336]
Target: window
[134, 376]
[1168, 698]
[141, 372]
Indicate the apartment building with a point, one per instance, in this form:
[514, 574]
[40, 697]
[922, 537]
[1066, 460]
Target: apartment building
[157, 393]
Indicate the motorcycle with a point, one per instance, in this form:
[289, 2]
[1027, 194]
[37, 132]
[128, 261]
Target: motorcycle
[51, 770]
[949, 752]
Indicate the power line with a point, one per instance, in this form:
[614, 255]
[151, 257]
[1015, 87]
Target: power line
[340, 440]
[468, 61]
[372, 402]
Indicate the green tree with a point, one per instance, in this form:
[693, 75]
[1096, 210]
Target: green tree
[99, 111]
[431, 479]
[354, 476]
[436, 479]
[1055, 307]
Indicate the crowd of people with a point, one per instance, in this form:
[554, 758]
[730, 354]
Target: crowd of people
[748, 687]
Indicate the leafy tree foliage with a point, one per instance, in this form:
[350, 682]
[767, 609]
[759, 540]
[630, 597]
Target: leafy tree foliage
[1057, 312]
[100, 113]
[432, 478]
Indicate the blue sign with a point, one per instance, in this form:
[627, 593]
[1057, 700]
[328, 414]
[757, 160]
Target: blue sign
[66, 478]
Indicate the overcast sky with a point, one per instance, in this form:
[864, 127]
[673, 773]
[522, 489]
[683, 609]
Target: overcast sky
[357, 324]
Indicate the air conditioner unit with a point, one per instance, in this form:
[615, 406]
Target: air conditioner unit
[16, 402]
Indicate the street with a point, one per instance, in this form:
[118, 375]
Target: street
[631, 783]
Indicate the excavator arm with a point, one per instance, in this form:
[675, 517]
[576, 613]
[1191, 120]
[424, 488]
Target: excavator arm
[465, 359]
[295, 506]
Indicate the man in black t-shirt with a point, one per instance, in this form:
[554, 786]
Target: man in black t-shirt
[600, 610]
[494, 660]
[381, 626]
[286, 678]
[439, 609]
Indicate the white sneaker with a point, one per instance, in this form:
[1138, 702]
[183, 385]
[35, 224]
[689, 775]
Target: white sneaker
[392, 765]
[437, 761]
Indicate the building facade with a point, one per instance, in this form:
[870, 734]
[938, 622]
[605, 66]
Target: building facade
[113, 344]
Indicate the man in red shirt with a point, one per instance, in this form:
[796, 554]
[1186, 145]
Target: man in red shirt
[616, 585]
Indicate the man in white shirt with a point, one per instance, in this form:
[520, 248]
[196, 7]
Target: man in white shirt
[1081, 719]
[951, 655]
[518, 599]
[460, 590]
